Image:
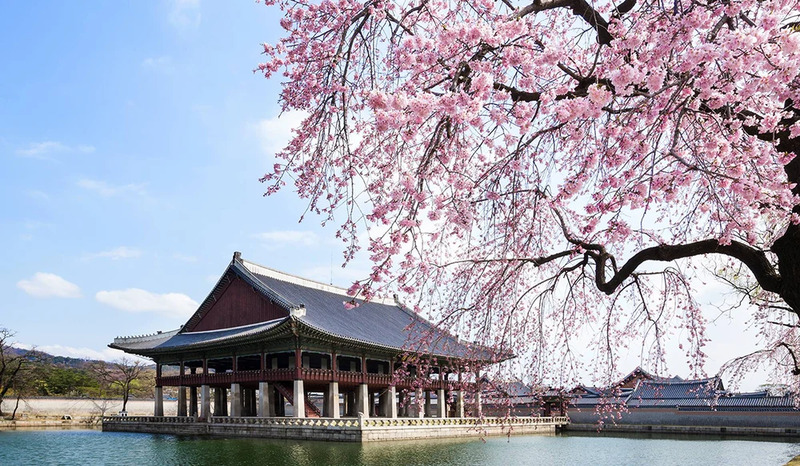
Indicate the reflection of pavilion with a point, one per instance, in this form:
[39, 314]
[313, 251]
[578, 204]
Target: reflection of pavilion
[263, 340]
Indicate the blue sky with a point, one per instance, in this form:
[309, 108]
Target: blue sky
[132, 137]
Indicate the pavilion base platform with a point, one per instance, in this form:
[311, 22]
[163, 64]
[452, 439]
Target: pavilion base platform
[337, 430]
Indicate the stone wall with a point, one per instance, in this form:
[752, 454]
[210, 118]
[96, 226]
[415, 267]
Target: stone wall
[339, 430]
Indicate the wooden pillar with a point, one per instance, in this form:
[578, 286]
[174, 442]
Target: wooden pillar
[298, 364]
[299, 398]
[158, 395]
[205, 400]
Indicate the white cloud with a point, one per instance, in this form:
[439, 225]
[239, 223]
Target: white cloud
[274, 133]
[122, 252]
[49, 285]
[163, 63]
[37, 195]
[286, 237]
[42, 150]
[106, 190]
[185, 14]
[138, 300]
[184, 258]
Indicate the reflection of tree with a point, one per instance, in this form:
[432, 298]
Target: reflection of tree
[123, 375]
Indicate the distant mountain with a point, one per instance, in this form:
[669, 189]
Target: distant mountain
[62, 361]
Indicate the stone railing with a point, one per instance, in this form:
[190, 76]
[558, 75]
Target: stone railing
[342, 423]
[346, 422]
[461, 421]
[151, 419]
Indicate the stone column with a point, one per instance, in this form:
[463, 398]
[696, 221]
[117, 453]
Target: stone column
[460, 403]
[205, 400]
[362, 402]
[391, 394]
[333, 400]
[299, 399]
[441, 404]
[181, 401]
[192, 401]
[478, 408]
[419, 407]
[264, 401]
[236, 400]
[158, 396]
[224, 396]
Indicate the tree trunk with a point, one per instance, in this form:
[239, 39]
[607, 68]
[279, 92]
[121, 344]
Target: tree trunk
[16, 406]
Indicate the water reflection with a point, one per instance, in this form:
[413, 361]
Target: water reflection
[93, 447]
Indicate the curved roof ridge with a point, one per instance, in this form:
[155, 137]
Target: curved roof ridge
[147, 337]
[252, 267]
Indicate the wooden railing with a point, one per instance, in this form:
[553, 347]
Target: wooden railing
[287, 375]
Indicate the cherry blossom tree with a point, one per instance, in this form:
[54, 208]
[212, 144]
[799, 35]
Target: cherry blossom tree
[536, 171]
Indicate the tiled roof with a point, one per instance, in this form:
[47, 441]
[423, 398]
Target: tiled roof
[176, 340]
[668, 389]
[320, 308]
[379, 322]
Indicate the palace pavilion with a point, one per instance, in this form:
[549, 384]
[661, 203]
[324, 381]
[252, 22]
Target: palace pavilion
[269, 344]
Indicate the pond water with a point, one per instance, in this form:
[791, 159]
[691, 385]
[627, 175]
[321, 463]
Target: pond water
[79, 447]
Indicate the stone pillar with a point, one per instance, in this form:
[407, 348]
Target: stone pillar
[264, 399]
[218, 411]
[460, 403]
[391, 394]
[236, 400]
[192, 401]
[441, 404]
[362, 402]
[428, 410]
[205, 400]
[332, 400]
[181, 401]
[158, 395]
[299, 399]
[478, 408]
[419, 407]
